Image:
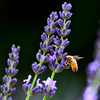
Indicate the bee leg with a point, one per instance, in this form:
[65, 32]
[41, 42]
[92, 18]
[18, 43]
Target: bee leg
[67, 66]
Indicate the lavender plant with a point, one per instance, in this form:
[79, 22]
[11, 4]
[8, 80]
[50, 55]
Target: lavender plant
[51, 52]
[7, 88]
[93, 74]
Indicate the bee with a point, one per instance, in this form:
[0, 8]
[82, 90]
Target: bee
[71, 62]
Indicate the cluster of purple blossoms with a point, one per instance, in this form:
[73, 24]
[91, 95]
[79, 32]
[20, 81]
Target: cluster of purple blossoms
[51, 51]
[40, 87]
[26, 87]
[11, 71]
[93, 74]
[60, 41]
[43, 53]
[47, 37]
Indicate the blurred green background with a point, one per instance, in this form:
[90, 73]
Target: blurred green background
[22, 23]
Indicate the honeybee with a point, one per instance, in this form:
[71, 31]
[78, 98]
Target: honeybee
[71, 62]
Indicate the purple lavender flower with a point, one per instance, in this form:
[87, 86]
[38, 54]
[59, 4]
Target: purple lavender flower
[37, 68]
[11, 71]
[55, 59]
[90, 93]
[93, 74]
[27, 86]
[49, 89]
[50, 83]
[27, 80]
[45, 46]
[43, 55]
[60, 41]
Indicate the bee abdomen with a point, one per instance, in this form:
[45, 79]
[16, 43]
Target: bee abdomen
[74, 66]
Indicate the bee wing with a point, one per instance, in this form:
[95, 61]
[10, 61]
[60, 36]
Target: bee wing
[77, 57]
[67, 66]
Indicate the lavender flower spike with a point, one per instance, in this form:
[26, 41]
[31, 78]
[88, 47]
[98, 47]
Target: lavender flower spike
[93, 74]
[60, 41]
[43, 55]
[11, 71]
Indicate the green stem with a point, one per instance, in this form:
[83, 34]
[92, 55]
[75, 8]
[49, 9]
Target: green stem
[47, 40]
[8, 84]
[44, 98]
[28, 96]
[42, 59]
[53, 74]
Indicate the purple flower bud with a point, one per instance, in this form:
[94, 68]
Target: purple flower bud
[44, 37]
[54, 24]
[63, 32]
[13, 48]
[65, 42]
[67, 23]
[41, 70]
[50, 39]
[66, 7]
[11, 72]
[40, 51]
[52, 57]
[48, 30]
[25, 87]
[46, 58]
[67, 32]
[49, 21]
[15, 63]
[11, 91]
[17, 49]
[4, 88]
[13, 82]
[54, 16]
[11, 56]
[5, 91]
[35, 91]
[45, 47]
[52, 65]
[39, 56]
[63, 15]
[68, 15]
[59, 68]
[16, 56]
[61, 23]
[37, 68]
[6, 79]
[58, 42]
[9, 62]
[59, 55]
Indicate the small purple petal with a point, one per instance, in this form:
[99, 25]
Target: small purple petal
[28, 80]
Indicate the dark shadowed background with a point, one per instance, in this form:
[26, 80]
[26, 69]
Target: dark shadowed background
[22, 23]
